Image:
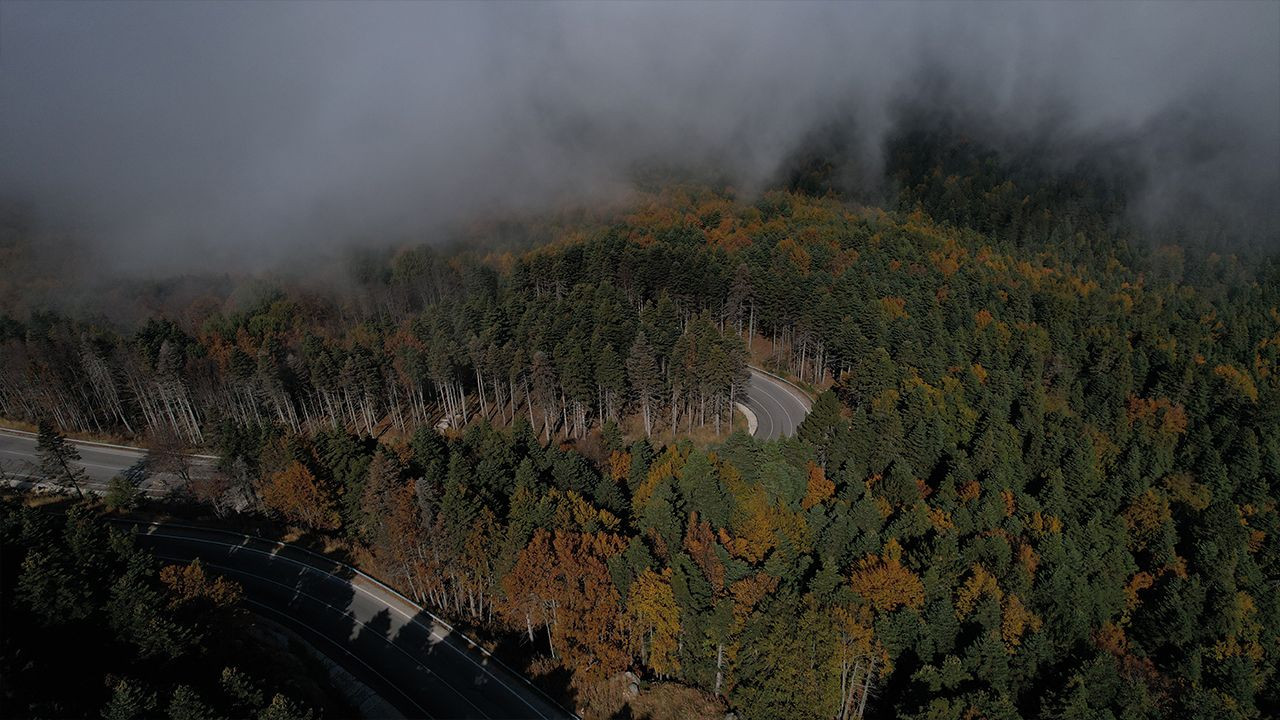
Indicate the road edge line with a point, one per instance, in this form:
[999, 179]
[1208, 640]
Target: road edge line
[793, 388]
[369, 578]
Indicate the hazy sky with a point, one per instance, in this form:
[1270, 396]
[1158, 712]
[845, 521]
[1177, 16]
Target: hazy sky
[184, 135]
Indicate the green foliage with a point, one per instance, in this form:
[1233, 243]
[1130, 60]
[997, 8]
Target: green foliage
[1039, 478]
[93, 629]
[121, 495]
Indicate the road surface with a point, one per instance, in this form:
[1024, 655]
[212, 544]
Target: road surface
[101, 462]
[778, 407]
[412, 660]
[415, 662]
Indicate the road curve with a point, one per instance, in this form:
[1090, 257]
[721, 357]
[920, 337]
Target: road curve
[414, 661]
[778, 407]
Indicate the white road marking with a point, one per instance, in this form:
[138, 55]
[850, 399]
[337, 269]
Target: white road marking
[344, 613]
[410, 618]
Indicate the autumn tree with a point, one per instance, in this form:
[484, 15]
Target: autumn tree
[298, 497]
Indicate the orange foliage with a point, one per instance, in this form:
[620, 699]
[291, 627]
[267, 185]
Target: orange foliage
[970, 491]
[982, 319]
[190, 583]
[796, 255]
[885, 583]
[1157, 414]
[894, 308]
[1139, 582]
[1009, 506]
[1016, 620]
[820, 489]
[700, 542]
[842, 261]
[619, 465]
[1146, 515]
[1028, 559]
[749, 591]
[979, 583]
[561, 580]
[296, 494]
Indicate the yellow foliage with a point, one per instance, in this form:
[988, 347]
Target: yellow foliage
[885, 583]
[819, 490]
[655, 616]
[619, 465]
[571, 511]
[796, 255]
[979, 583]
[664, 469]
[940, 519]
[1015, 621]
[980, 373]
[894, 308]
[1239, 381]
[885, 401]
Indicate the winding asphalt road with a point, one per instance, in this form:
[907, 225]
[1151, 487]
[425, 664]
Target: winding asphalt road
[413, 660]
[779, 408]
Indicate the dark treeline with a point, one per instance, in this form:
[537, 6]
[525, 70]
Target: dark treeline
[95, 627]
[1040, 482]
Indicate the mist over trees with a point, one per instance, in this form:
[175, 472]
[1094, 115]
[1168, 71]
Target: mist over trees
[160, 160]
[1039, 479]
[1028, 272]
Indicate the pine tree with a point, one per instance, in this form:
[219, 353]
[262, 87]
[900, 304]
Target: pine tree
[129, 701]
[611, 380]
[59, 459]
[821, 426]
[642, 373]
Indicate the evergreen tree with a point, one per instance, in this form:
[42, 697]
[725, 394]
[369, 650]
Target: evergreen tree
[59, 459]
[642, 374]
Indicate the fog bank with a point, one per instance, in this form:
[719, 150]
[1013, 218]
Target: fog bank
[185, 136]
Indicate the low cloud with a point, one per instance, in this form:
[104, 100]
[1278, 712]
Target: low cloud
[182, 136]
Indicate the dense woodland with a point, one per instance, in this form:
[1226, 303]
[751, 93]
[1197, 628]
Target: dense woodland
[1039, 478]
[95, 627]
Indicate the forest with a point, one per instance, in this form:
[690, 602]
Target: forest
[1039, 478]
[96, 627]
